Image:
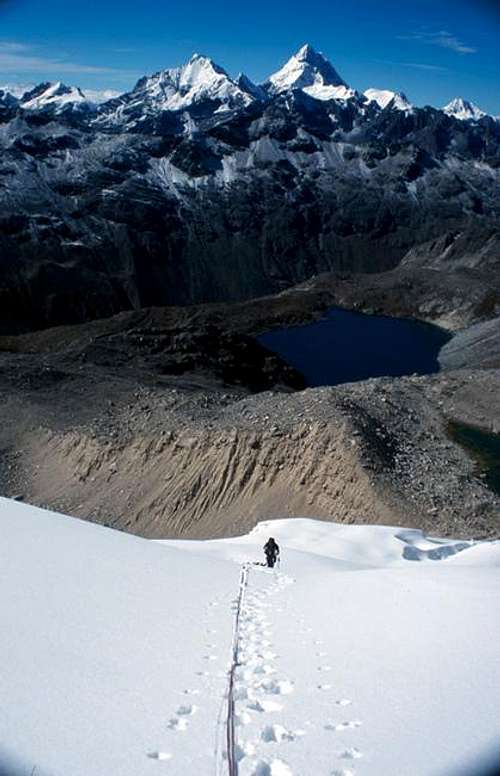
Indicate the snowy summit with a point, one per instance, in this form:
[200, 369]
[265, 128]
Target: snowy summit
[57, 97]
[385, 98]
[463, 110]
[313, 73]
[200, 79]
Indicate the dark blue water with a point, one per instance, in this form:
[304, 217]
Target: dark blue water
[346, 346]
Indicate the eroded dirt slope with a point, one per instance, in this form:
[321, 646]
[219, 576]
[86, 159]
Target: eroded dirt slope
[162, 457]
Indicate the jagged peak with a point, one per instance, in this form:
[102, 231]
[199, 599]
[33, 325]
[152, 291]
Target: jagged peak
[35, 91]
[204, 61]
[199, 79]
[463, 110]
[52, 95]
[309, 54]
[307, 68]
[306, 52]
[59, 88]
[198, 70]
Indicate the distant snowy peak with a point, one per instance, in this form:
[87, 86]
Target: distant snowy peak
[15, 90]
[463, 110]
[55, 97]
[312, 72]
[179, 88]
[385, 98]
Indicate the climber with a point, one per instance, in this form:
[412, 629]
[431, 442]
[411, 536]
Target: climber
[272, 552]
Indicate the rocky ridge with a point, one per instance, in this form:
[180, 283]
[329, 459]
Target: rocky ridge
[172, 462]
[96, 423]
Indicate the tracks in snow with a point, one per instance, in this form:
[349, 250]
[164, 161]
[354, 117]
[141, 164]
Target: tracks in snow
[232, 754]
[254, 727]
[259, 691]
[256, 690]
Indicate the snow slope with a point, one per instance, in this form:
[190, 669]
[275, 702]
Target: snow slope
[105, 637]
[372, 651]
[385, 97]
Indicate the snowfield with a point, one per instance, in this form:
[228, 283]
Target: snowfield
[371, 651]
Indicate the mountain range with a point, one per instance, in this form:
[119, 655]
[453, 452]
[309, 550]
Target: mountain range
[197, 187]
[201, 78]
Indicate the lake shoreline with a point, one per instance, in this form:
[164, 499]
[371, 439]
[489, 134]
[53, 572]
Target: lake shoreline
[347, 346]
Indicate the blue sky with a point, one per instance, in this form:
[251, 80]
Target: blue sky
[431, 50]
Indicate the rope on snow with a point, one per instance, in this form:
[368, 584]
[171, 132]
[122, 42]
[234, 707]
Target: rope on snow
[232, 760]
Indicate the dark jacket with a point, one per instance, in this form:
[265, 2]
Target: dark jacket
[271, 548]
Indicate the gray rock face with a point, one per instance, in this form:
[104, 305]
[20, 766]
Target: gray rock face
[227, 193]
[477, 346]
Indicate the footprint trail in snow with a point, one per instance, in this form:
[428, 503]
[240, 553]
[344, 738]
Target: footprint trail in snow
[263, 734]
[261, 689]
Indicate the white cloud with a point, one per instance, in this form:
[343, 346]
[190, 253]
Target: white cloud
[16, 89]
[100, 95]
[10, 45]
[443, 39]
[416, 65]
[20, 58]
[423, 66]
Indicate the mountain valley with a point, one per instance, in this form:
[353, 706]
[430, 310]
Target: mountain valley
[148, 240]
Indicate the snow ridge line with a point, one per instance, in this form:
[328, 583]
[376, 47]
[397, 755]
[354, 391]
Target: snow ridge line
[232, 760]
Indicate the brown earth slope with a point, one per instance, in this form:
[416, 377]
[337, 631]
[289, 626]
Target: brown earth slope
[175, 422]
[163, 459]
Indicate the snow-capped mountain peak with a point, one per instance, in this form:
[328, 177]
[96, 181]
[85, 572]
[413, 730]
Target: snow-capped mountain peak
[463, 110]
[310, 71]
[385, 98]
[53, 96]
[38, 97]
[199, 79]
[317, 60]
[201, 71]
